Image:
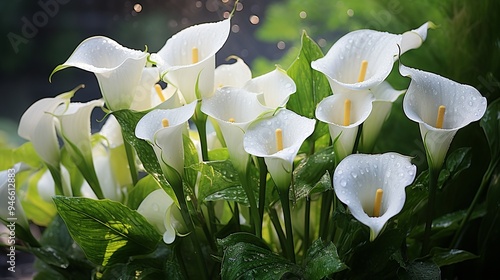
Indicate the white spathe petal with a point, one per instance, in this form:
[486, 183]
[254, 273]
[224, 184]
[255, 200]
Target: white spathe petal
[75, 125]
[112, 131]
[150, 123]
[260, 140]
[341, 65]
[37, 125]
[331, 111]
[384, 95]
[234, 75]
[170, 233]
[275, 87]
[427, 91]
[118, 69]
[357, 178]
[154, 209]
[144, 91]
[239, 106]
[175, 58]
[167, 139]
[105, 175]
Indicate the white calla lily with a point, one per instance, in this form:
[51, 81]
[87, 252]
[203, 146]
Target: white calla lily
[385, 95]
[47, 187]
[273, 88]
[163, 128]
[233, 109]
[156, 209]
[145, 91]
[7, 188]
[188, 58]
[262, 139]
[118, 69]
[428, 94]
[232, 75]
[358, 178]
[75, 130]
[342, 64]
[38, 126]
[344, 112]
[75, 127]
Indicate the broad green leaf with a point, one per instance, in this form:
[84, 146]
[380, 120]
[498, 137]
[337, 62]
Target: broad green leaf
[312, 86]
[420, 271]
[218, 154]
[242, 237]
[448, 223]
[442, 256]
[128, 121]
[491, 126]
[456, 162]
[312, 174]
[244, 260]
[107, 231]
[216, 176]
[57, 244]
[236, 194]
[322, 260]
[191, 158]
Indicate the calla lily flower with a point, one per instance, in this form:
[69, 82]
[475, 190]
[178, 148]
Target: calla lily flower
[343, 63]
[273, 88]
[232, 75]
[145, 91]
[7, 184]
[263, 139]
[385, 95]
[344, 112]
[163, 130]
[118, 69]
[74, 127]
[187, 59]
[441, 107]
[233, 109]
[373, 187]
[38, 126]
[156, 209]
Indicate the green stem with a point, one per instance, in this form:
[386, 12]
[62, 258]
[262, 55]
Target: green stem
[200, 120]
[307, 219]
[285, 203]
[326, 202]
[461, 229]
[262, 186]
[273, 215]
[433, 178]
[197, 251]
[254, 211]
[131, 161]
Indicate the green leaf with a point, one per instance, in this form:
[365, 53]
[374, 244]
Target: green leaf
[490, 123]
[456, 162]
[60, 257]
[128, 121]
[312, 174]
[191, 158]
[242, 237]
[36, 209]
[244, 260]
[312, 86]
[420, 271]
[25, 153]
[322, 260]
[107, 231]
[442, 256]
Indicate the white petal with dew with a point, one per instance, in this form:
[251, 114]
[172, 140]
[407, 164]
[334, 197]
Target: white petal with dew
[234, 75]
[274, 88]
[357, 178]
[154, 209]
